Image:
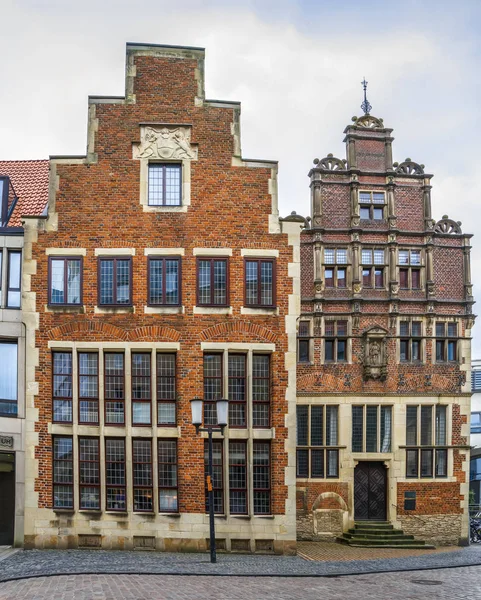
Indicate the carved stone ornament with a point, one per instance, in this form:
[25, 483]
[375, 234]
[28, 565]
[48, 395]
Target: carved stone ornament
[318, 288]
[447, 225]
[431, 289]
[355, 236]
[356, 321]
[374, 353]
[6, 441]
[331, 163]
[356, 288]
[317, 220]
[369, 122]
[409, 167]
[355, 221]
[318, 307]
[394, 289]
[165, 143]
[318, 237]
[357, 307]
[394, 308]
[392, 237]
[392, 222]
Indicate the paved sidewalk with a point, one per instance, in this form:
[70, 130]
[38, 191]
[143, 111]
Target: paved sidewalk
[319, 551]
[444, 584]
[38, 563]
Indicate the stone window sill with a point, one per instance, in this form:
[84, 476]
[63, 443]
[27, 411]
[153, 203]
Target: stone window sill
[112, 310]
[62, 308]
[176, 515]
[213, 310]
[64, 511]
[164, 310]
[257, 310]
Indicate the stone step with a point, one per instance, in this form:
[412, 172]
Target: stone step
[364, 543]
[374, 524]
[372, 531]
[398, 535]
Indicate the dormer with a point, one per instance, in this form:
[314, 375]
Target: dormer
[8, 200]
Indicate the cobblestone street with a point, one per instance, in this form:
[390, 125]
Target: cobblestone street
[460, 583]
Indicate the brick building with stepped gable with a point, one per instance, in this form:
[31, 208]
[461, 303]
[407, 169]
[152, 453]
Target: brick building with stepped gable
[160, 273]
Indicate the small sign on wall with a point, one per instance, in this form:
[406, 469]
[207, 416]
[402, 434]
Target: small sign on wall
[6, 441]
[409, 500]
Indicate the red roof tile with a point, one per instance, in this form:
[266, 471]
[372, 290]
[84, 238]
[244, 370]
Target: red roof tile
[30, 182]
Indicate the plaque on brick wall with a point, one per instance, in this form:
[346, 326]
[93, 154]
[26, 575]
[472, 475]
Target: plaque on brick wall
[6, 441]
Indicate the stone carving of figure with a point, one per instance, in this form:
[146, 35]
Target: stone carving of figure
[375, 353]
[165, 143]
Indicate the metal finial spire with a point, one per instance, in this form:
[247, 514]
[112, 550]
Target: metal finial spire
[366, 107]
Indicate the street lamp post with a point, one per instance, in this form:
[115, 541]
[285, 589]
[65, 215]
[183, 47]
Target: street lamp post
[196, 406]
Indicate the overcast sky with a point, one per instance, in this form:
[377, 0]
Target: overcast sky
[296, 66]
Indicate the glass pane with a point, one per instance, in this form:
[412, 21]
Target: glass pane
[357, 428]
[303, 355]
[404, 349]
[415, 279]
[379, 278]
[366, 257]
[302, 463]
[156, 267]
[173, 180]
[411, 425]
[416, 328]
[341, 257]
[329, 350]
[329, 277]
[404, 278]
[440, 329]
[267, 279]
[57, 272]
[106, 282]
[415, 257]
[439, 350]
[331, 425]
[14, 259]
[329, 256]
[441, 463]
[73, 282]
[341, 278]
[365, 212]
[62, 411]
[166, 413]
[220, 282]
[302, 433]
[89, 411]
[365, 197]
[386, 427]
[411, 463]
[8, 371]
[141, 413]
[403, 257]
[172, 282]
[204, 282]
[168, 501]
[451, 351]
[156, 183]
[378, 197]
[426, 425]
[378, 257]
[341, 350]
[378, 213]
[316, 425]
[333, 463]
[441, 425]
[371, 428]
[452, 329]
[426, 463]
[366, 278]
[317, 463]
[123, 281]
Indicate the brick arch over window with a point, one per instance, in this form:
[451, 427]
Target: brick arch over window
[329, 500]
[226, 329]
[154, 333]
[98, 327]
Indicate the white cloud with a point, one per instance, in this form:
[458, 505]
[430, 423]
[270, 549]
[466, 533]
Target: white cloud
[299, 87]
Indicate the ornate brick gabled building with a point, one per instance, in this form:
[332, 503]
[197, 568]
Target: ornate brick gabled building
[383, 385]
[161, 273]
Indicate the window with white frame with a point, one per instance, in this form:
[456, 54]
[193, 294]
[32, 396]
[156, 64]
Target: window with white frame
[410, 341]
[373, 265]
[335, 267]
[426, 428]
[446, 341]
[372, 205]
[335, 340]
[410, 269]
[165, 184]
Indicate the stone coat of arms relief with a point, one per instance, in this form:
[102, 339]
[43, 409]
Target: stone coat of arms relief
[165, 143]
